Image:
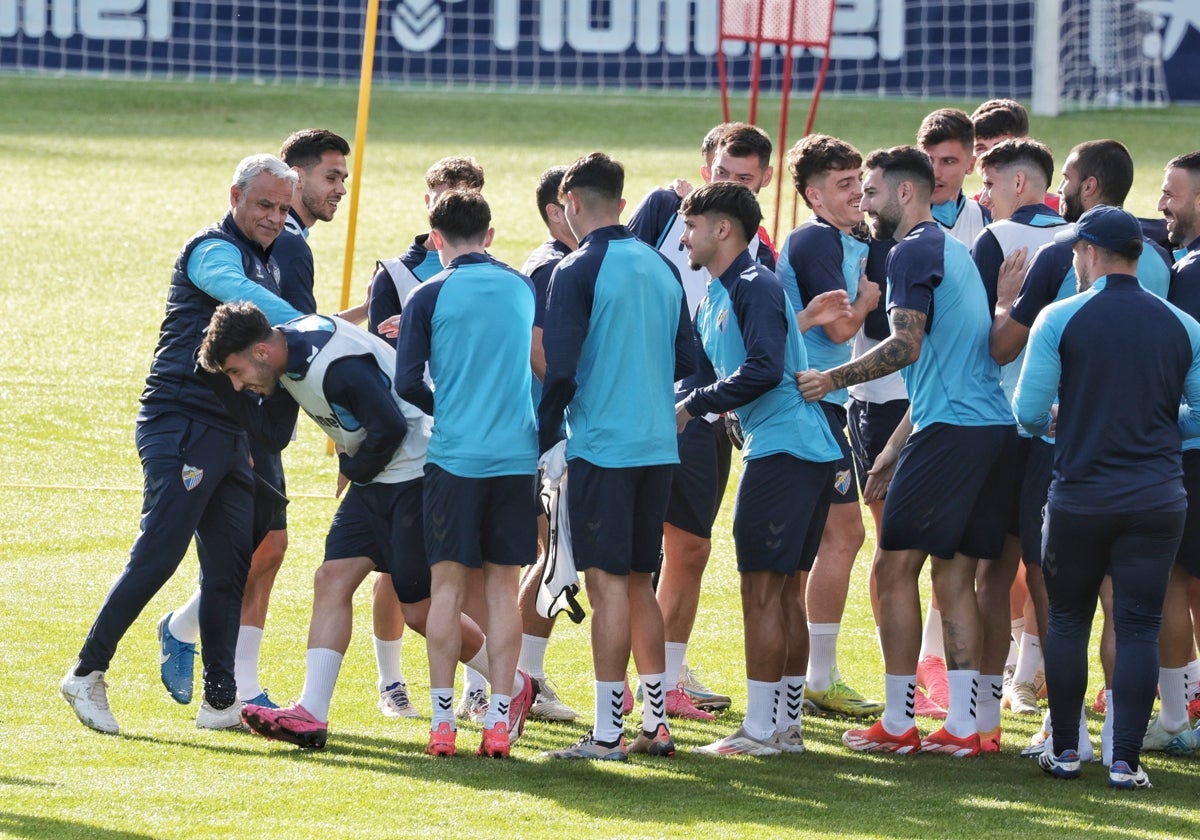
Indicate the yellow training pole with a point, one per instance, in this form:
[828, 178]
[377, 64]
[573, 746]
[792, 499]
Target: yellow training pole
[360, 144]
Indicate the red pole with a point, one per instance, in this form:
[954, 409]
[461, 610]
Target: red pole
[812, 111]
[785, 97]
[756, 72]
[721, 71]
[785, 105]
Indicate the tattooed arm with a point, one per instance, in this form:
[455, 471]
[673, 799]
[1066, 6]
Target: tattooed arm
[900, 349]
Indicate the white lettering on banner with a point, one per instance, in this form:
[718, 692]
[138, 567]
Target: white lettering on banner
[418, 25]
[1178, 15]
[506, 30]
[863, 29]
[614, 37]
[675, 33]
[62, 22]
[118, 20]
[111, 18]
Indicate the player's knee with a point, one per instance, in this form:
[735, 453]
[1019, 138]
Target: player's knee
[268, 557]
[334, 580]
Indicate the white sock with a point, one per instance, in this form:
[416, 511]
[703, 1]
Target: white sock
[1193, 680]
[932, 643]
[761, 699]
[610, 722]
[1086, 752]
[1029, 660]
[478, 664]
[497, 712]
[245, 661]
[442, 704]
[1106, 732]
[474, 679]
[320, 676]
[654, 700]
[1015, 641]
[822, 654]
[533, 655]
[387, 661]
[960, 717]
[676, 656]
[185, 621]
[898, 698]
[1173, 700]
[790, 709]
[987, 705]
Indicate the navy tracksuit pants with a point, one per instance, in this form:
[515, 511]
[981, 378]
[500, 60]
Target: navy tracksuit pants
[197, 482]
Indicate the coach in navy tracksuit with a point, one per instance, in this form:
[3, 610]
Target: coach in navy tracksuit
[1120, 360]
[194, 453]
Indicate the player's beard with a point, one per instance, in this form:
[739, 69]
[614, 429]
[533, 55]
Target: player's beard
[1082, 282]
[1177, 230]
[317, 209]
[882, 229]
[1071, 208]
[267, 379]
[885, 221]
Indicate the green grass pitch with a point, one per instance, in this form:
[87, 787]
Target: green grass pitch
[104, 182]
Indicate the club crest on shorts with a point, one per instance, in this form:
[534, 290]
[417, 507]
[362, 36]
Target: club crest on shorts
[841, 481]
[722, 319]
[192, 476]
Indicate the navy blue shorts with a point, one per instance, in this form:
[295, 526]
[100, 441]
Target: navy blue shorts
[779, 514]
[1188, 555]
[473, 520]
[845, 490]
[870, 425]
[698, 483]
[616, 516]
[1039, 469]
[1016, 484]
[950, 493]
[269, 467]
[383, 522]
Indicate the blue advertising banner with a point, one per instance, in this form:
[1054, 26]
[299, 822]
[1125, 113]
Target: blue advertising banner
[930, 48]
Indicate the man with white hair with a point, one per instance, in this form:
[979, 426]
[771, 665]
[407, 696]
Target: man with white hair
[194, 453]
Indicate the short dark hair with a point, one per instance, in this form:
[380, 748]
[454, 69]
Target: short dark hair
[817, 154]
[233, 328]
[726, 198]
[596, 173]
[1000, 117]
[742, 140]
[1189, 162]
[304, 148]
[708, 146]
[903, 163]
[946, 124]
[1020, 151]
[1110, 164]
[547, 190]
[461, 216]
[456, 172]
